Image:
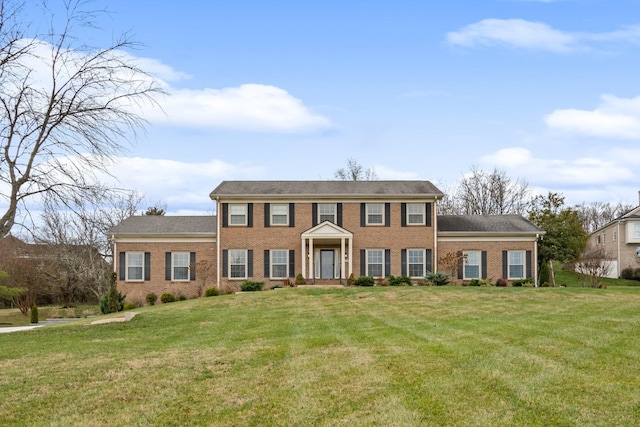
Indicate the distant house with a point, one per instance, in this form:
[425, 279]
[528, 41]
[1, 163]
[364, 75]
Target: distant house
[271, 231]
[620, 242]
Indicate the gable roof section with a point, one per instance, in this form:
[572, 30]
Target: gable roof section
[633, 214]
[155, 225]
[486, 224]
[350, 189]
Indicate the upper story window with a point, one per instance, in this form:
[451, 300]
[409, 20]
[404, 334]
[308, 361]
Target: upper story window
[327, 212]
[238, 214]
[135, 266]
[279, 214]
[375, 214]
[516, 265]
[180, 266]
[415, 213]
[636, 230]
[471, 265]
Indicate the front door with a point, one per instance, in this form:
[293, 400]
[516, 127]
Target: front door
[327, 266]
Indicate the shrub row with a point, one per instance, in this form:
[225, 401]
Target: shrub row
[630, 273]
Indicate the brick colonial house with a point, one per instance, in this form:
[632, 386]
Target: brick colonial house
[325, 230]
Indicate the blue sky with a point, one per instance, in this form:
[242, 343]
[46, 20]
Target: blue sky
[549, 91]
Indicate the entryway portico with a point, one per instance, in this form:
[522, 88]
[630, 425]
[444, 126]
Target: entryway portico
[327, 250]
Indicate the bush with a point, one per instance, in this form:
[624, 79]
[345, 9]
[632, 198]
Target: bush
[424, 282]
[211, 292]
[167, 297]
[481, 282]
[502, 282]
[112, 301]
[364, 281]
[300, 280]
[528, 282]
[382, 281]
[636, 274]
[351, 280]
[250, 286]
[627, 273]
[129, 305]
[438, 279]
[181, 297]
[151, 298]
[34, 313]
[400, 281]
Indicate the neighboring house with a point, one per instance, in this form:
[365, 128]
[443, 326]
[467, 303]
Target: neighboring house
[620, 242]
[157, 254]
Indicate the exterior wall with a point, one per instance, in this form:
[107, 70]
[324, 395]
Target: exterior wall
[258, 237]
[494, 251]
[618, 249]
[136, 291]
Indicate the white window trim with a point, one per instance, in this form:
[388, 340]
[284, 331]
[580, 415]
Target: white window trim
[173, 267]
[335, 212]
[368, 264]
[381, 214]
[271, 263]
[422, 211]
[524, 265]
[466, 262]
[246, 255]
[244, 206]
[126, 270]
[424, 262]
[636, 230]
[286, 214]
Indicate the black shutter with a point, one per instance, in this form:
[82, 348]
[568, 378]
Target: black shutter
[250, 263]
[387, 214]
[427, 210]
[225, 214]
[225, 263]
[249, 214]
[339, 214]
[403, 261]
[167, 266]
[528, 266]
[147, 266]
[192, 266]
[267, 215]
[387, 262]
[292, 215]
[429, 264]
[484, 264]
[292, 263]
[363, 262]
[461, 268]
[403, 215]
[314, 214]
[267, 272]
[363, 214]
[122, 257]
[505, 264]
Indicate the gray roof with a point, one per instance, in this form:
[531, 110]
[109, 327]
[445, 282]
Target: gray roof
[507, 224]
[326, 188]
[160, 224]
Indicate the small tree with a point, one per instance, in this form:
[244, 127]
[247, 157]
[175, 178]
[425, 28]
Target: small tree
[34, 313]
[205, 270]
[112, 301]
[545, 275]
[450, 262]
[593, 267]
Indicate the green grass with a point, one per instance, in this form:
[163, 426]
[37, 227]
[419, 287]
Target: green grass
[571, 278]
[357, 357]
[13, 316]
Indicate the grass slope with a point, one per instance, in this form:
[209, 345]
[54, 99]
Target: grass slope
[377, 356]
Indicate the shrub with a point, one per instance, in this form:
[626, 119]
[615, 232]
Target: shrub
[481, 282]
[112, 301]
[151, 298]
[627, 273]
[528, 282]
[167, 297]
[636, 274]
[400, 281]
[181, 297]
[212, 292]
[545, 273]
[364, 281]
[424, 282]
[382, 281]
[250, 286]
[502, 282]
[438, 279]
[300, 280]
[129, 305]
[34, 313]
[351, 280]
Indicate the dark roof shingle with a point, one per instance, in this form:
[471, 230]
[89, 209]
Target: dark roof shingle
[160, 224]
[487, 224]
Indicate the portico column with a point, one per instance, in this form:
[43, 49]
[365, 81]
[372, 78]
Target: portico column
[304, 260]
[311, 269]
[342, 257]
[350, 256]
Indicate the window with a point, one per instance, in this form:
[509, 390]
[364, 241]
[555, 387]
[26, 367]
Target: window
[415, 258]
[471, 265]
[598, 240]
[238, 264]
[279, 214]
[375, 214]
[180, 266]
[327, 213]
[238, 214]
[604, 238]
[135, 266]
[375, 262]
[415, 213]
[615, 235]
[279, 263]
[636, 230]
[516, 265]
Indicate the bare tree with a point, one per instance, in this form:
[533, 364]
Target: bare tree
[65, 108]
[598, 214]
[354, 171]
[491, 193]
[593, 266]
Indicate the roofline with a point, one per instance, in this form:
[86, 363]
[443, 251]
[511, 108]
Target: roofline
[490, 233]
[359, 196]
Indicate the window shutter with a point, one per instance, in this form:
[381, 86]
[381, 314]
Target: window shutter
[461, 268]
[505, 264]
[167, 266]
[267, 215]
[249, 214]
[363, 262]
[192, 266]
[363, 214]
[339, 214]
[250, 263]
[484, 264]
[387, 214]
[387, 262]
[147, 266]
[292, 263]
[427, 212]
[267, 273]
[225, 214]
[225, 263]
[292, 215]
[403, 215]
[528, 266]
[403, 259]
[428, 262]
[314, 214]
[122, 260]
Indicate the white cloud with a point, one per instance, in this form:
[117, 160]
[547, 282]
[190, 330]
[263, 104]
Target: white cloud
[385, 173]
[613, 118]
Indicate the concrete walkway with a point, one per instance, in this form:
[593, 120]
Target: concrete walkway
[18, 328]
[127, 316]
